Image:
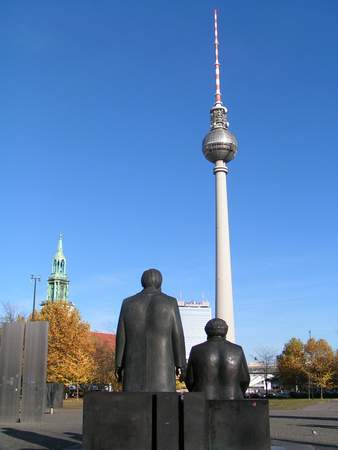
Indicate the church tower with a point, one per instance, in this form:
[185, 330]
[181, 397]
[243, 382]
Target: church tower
[58, 281]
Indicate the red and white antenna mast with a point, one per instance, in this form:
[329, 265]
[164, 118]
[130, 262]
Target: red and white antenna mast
[218, 95]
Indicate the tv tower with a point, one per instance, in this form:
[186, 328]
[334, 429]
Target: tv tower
[220, 147]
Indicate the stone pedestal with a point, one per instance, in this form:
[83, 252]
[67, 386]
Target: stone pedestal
[238, 425]
[165, 421]
[116, 420]
[195, 421]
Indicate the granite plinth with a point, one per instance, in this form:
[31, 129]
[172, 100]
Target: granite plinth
[195, 421]
[167, 421]
[238, 425]
[166, 417]
[117, 420]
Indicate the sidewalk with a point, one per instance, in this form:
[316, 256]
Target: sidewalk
[309, 428]
[59, 431]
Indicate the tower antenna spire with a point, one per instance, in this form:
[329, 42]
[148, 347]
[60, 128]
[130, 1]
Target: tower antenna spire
[218, 95]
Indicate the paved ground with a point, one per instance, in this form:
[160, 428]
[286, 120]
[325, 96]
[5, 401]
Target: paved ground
[311, 428]
[61, 430]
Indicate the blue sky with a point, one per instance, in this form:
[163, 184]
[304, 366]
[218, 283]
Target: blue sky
[104, 106]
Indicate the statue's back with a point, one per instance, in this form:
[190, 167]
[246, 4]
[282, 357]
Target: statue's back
[150, 337]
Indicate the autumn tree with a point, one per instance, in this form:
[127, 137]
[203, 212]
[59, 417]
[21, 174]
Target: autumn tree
[104, 364]
[291, 363]
[70, 345]
[335, 369]
[9, 313]
[319, 358]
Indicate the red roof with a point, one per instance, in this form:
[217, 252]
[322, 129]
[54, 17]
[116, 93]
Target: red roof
[108, 339]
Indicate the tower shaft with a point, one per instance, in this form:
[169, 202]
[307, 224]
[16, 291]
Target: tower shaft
[224, 299]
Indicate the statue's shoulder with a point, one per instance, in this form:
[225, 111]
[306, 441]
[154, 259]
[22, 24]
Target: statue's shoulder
[171, 300]
[129, 300]
[199, 347]
[234, 347]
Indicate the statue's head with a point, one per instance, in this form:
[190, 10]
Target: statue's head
[151, 278]
[216, 327]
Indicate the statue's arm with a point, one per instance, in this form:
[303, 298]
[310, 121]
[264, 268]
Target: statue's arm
[189, 376]
[120, 344]
[245, 376]
[178, 339]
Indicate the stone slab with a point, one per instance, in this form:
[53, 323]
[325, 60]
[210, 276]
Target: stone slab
[11, 351]
[34, 371]
[117, 421]
[166, 417]
[194, 421]
[238, 425]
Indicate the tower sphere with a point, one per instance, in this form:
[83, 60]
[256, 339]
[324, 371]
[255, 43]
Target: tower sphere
[219, 144]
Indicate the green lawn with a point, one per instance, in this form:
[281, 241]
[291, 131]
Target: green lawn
[288, 403]
[293, 403]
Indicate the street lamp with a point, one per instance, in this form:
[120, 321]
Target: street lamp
[308, 367]
[35, 279]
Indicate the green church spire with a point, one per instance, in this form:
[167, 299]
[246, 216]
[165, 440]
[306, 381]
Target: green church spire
[58, 281]
[60, 249]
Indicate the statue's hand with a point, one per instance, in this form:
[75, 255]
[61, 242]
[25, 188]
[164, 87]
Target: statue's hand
[180, 373]
[118, 374]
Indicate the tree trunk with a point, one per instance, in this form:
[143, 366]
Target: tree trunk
[321, 392]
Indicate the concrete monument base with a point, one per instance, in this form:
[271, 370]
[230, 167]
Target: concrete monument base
[238, 425]
[167, 421]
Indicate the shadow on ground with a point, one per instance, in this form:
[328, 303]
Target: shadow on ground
[313, 444]
[316, 425]
[75, 436]
[45, 441]
[275, 416]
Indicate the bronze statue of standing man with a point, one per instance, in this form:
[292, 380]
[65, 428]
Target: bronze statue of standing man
[150, 348]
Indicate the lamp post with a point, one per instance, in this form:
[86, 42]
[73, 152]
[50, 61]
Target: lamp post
[308, 365]
[35, 279]
[308, 372]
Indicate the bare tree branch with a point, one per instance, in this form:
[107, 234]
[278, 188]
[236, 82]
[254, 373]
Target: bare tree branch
[9, 313]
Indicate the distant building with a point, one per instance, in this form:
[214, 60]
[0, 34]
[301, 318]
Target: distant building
[108, 339]
[194, 316]
[261, 377]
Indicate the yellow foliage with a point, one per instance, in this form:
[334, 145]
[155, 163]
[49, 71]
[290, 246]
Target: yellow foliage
[104, 364]
[291, 362]
[320, 362]
[180, 385]
[313, 360]
[70, 346]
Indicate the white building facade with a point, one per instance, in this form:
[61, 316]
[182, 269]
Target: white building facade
[194, 316]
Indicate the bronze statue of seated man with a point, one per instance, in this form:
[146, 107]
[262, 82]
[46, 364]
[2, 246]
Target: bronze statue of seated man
[217, 367]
